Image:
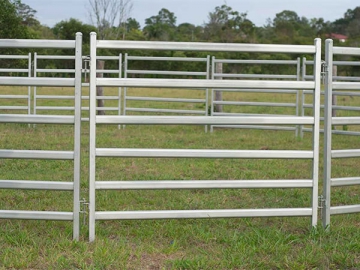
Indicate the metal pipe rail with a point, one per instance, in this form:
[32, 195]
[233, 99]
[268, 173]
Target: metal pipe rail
[222, 75]
[75, 120]
[331, 121]
[95, 152]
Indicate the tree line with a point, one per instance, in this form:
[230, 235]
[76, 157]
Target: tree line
[224, 24]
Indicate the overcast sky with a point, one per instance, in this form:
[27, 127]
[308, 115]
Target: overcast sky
[50, 12]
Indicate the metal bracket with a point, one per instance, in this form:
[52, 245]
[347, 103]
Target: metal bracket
[85, 70]
[84, 209]
[322, 203]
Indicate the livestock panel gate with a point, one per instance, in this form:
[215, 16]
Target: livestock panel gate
[70, 155]
[243, 105]
[158, 103]
[24, 100]
[331, 154]
[95, 152]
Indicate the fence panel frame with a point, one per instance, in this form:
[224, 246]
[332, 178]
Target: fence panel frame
[331, 121]
[75, 120]
[94, 120]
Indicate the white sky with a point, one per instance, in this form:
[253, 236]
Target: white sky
[50, 12]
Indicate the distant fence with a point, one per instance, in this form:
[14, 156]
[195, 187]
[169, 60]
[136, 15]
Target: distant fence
[218, 73]
[157, 101]
[19, 98]
[95, 153]
[332, 83]
[57, 96]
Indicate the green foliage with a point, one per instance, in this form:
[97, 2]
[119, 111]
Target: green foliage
[11, 25]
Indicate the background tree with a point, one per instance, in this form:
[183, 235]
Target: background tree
[227, 25]
[110, 16]
[161, 26]
[11, 22]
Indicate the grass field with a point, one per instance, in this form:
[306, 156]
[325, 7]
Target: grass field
[256, 243]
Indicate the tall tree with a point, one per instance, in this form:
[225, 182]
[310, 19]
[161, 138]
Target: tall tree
[11, 23]
[161, 26]
[228, 25]
[110, 16]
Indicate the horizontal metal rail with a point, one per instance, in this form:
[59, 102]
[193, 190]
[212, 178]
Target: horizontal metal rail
[37, 185]
[129, 109]
[235, 61]
[163, 72]
[54, 70]
[37, 154]
[14, 57]
[233, 213]
[37, 43]
[13, 107]
[257, 127]
[202, 46]
[348, 153]
[345, 181]
[285, 91]
[346, 78]
[165, 99]
[22, 81]
[203, 120]
[36, 215]
[36, 119]
[346, 209]
[253, 76]
[175, 59]
[201, 153]
[203, 184]
[14, 96]
[346, 51]
[346, 86]
[56, 57]
[185, 83]
[13, 70]
[249, 103]
[345, 121]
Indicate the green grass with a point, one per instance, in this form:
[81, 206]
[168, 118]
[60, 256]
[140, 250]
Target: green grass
[251, 243]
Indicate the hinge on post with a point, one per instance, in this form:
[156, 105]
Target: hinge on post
[84, 209]
[321, 204]
[324, 70]
[85, 70]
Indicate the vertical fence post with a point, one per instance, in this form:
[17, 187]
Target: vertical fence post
[77, 134]
[327, 132]
[316, 130]
[218, 94]
[92, 136]
[298, 69]
[333, 97]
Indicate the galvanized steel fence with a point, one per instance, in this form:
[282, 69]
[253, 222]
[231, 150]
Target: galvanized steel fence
[95, 152]
[311, 84]
[75, 120]
[330, 121]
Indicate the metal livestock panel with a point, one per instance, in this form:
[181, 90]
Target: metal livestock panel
[26, 97]
[157, 100]
[75, 120]
[45, 72]
[222, 74]
[338, 93]
[95, 120]
[330, 122]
